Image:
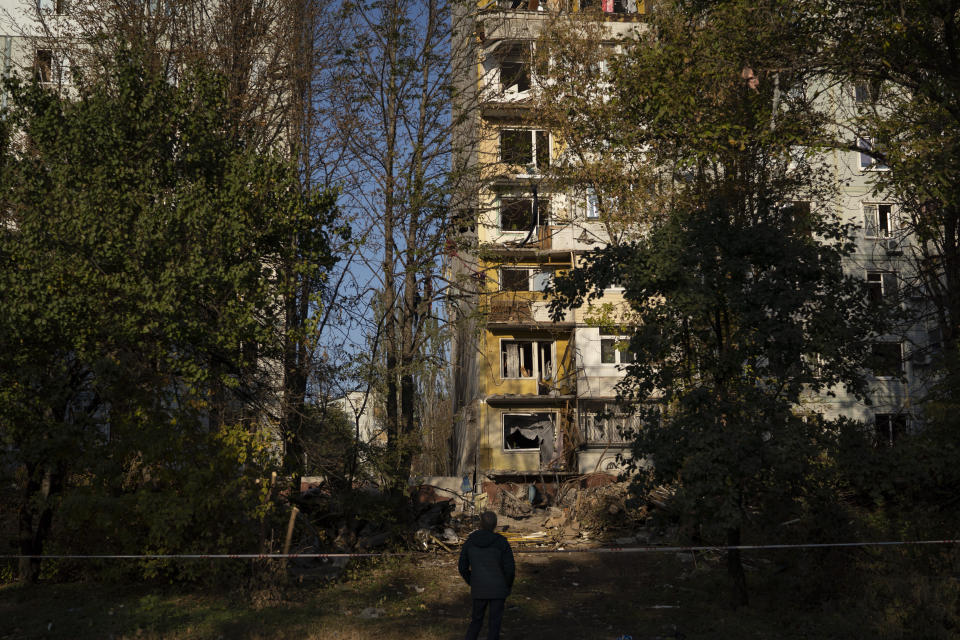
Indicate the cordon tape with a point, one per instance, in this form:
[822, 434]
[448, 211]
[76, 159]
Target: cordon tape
[638, 549]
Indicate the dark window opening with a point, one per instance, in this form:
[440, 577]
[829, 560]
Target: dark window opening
[516, 147]
[515, 75]
[867, 92]
[542, 152]
[879, 220]
[615, 349]
[516, 214]
[514, 280]
[43, 66]
[889, 428]
[525, 147]
[799, 218]
[886, 359]
[515, 68]
[881, 286]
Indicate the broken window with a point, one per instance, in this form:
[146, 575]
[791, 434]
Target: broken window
[878, 220]
[889, 428]
[614, 349]
[881, 286]
[526, 359]
[43, 66]
[886, 359]
[526, 147]
[515, 68]
[516, 213]
[530, 432]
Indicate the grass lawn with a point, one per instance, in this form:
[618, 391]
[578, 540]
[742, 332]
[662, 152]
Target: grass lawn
[572, 596]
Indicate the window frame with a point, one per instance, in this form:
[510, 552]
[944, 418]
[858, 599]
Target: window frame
[524, 61]
[611, 423]
[543, 212]
[886, 279]
[532, 273]
[535, 373]
[53, 7]
[897, 426]
[50, 65]
[533, 161]
[527, 277]
[617, 353]
[591, 205]
[873, 223]
[899, 361]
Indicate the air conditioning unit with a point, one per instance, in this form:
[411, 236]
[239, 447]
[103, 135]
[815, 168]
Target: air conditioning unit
[892, 246]
[920, 358]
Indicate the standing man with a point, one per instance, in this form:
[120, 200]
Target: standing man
[486, 564]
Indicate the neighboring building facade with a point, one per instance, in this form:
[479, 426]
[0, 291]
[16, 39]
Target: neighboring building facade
[885, 258]
[30, 44]
[536, 398]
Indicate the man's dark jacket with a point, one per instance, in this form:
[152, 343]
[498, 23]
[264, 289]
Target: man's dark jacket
[486, 564]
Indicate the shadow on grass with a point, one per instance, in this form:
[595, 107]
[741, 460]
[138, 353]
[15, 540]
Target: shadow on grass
[568, 597]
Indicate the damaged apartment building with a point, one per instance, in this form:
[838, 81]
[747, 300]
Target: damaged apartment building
[536, 398]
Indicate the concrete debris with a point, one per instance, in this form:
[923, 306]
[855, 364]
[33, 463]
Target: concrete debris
[450, 536]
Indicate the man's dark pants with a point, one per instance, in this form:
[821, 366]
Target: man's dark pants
[493, 623]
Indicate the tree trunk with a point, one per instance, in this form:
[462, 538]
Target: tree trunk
[738, 578]
[35, 519]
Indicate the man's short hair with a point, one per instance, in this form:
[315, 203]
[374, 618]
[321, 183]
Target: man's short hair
[488, 520]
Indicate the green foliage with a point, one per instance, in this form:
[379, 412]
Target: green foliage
[736, 291]
[145, 251]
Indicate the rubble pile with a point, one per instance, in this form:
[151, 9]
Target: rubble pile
[605, 507]
[432, 520]
[537, 513]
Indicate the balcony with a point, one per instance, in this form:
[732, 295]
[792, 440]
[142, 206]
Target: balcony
[602, 427]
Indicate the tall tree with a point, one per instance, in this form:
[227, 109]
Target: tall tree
[146, 255]
[738, 300]
[386, 100]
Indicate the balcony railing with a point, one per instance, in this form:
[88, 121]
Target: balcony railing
[603, 429]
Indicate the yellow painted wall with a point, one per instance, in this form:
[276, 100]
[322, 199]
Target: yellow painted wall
[492, 453]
